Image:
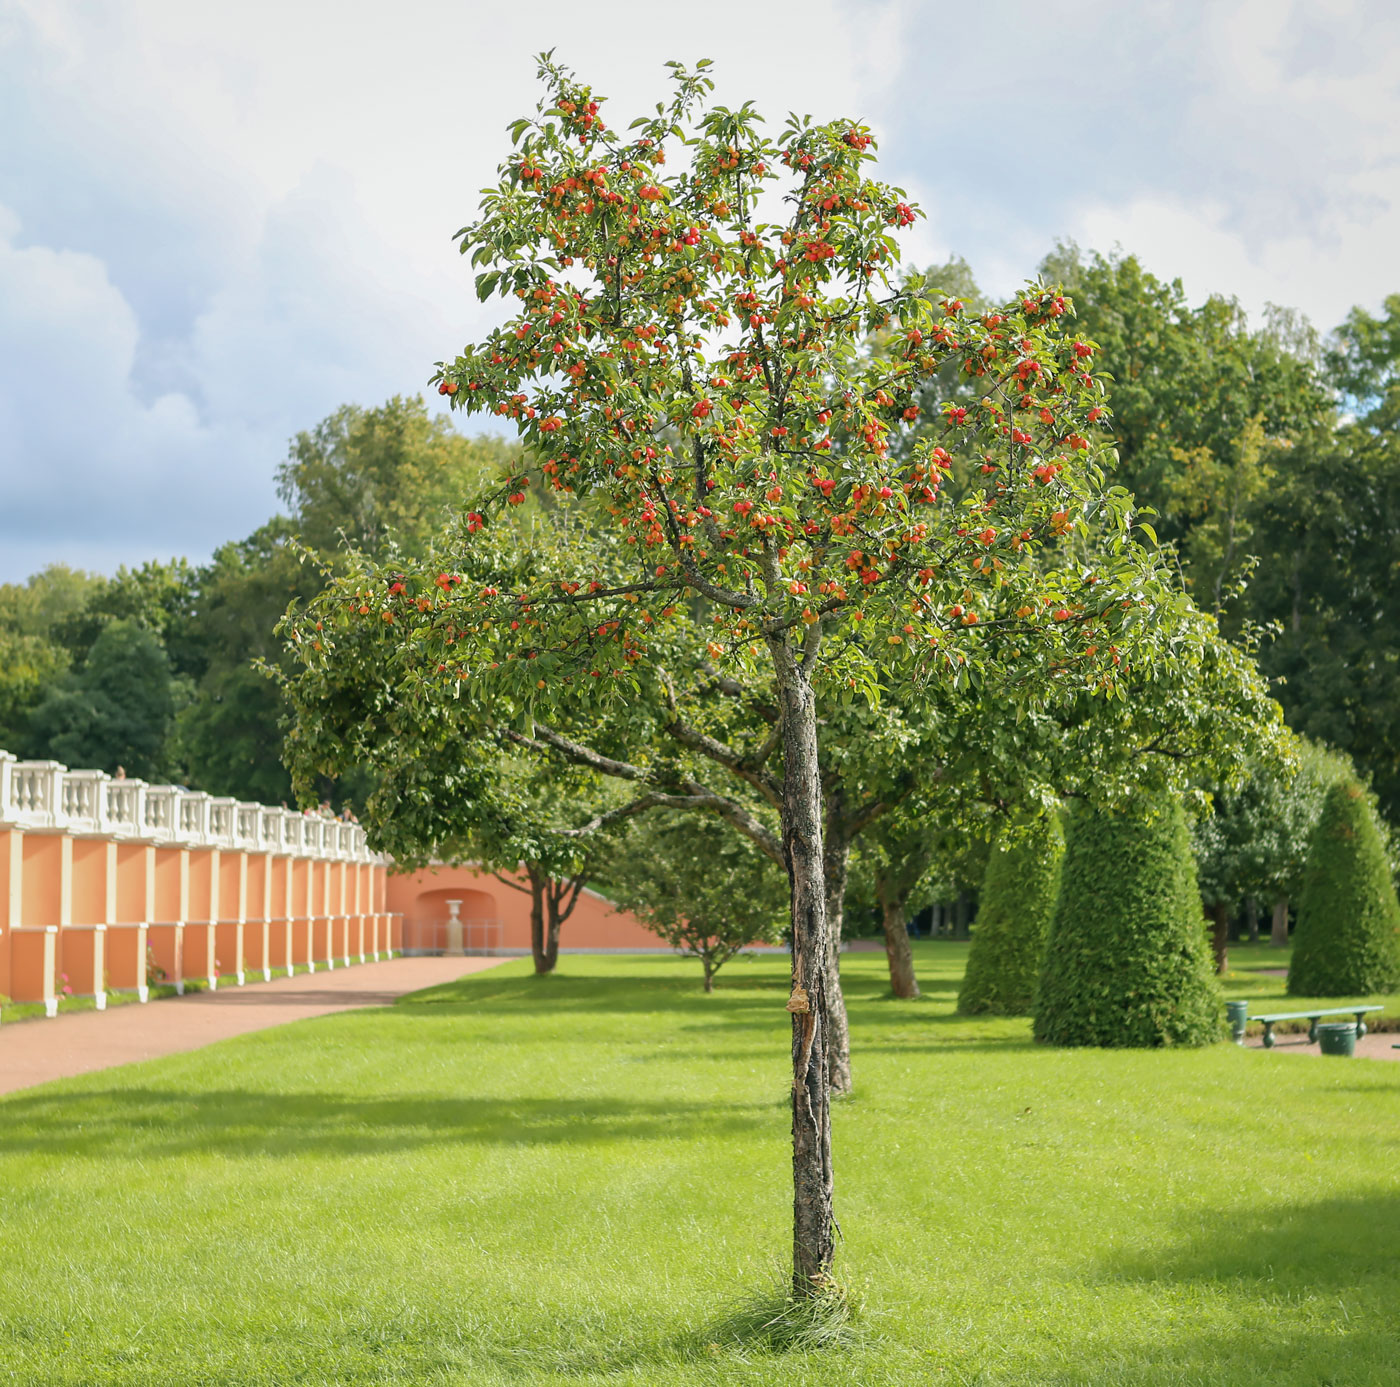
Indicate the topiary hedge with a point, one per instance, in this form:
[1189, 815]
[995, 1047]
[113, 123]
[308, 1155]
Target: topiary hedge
[1126, 961]
[1347, 940]
[1018, 896]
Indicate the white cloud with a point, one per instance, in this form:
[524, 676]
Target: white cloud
[83, 456]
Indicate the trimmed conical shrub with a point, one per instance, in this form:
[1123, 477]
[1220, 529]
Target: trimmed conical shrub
[1347, 940]
[1126, 961]
[1018, 896]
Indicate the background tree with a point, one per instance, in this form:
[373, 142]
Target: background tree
[229, 736]
[33, 659]
[694, 882]
[1197, 393]
[901, 849]
[116, 710]
[384, 476]
[1252, 840]
[1126, 961]
[1017, 900]
[1348, 937]
[1327, 578]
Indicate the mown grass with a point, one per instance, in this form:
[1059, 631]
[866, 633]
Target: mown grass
[585, 1178]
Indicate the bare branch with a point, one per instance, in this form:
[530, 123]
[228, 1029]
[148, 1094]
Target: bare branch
[768, 786]
[734, 813]
[514, 885]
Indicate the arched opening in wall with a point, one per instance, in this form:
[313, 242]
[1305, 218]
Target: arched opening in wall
[453, 920]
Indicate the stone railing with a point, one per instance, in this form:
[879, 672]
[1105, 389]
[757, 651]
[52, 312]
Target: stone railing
[45, 795]
[115, 886]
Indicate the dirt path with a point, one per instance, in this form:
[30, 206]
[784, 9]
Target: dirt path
[33, 1052]
[1373, 1046]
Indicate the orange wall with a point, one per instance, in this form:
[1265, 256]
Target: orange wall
[89, 906]
[420, 897]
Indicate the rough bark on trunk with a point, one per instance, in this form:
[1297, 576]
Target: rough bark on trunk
[898, 950]
[1220, 935]
[1278, 928]
[935, 927]
[709, 977]
[1251, 918]
[836, 862]
[813, 1231]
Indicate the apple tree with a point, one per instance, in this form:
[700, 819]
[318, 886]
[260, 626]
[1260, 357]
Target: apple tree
[684, 312]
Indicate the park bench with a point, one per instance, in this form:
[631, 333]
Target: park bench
[1312, 1017]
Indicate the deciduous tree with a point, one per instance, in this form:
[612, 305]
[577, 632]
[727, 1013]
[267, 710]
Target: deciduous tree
[678, 345]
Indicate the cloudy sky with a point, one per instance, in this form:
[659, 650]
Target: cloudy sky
[220, 221]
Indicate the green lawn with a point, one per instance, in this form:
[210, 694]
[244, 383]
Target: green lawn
[512, 1181]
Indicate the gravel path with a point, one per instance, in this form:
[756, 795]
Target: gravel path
[1372, 1046]
[33, 1052]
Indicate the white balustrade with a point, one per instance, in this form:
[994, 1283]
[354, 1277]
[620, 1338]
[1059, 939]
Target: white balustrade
[81, 800]
[47, 796]
[270, 834]
[193, 825]
[293, 831]
[36, 794]
[223, 821]
[162, 819]
[7, 764]
[247, 821]
[126, 807]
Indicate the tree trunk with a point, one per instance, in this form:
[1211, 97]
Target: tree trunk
[960, 917]
[899, 953]
[935, 927]
[551, 942]
[1251, 918]
[1278, 928]
[709, 974]
[813, 1223]
[1220, 935]
[539, 889]
[836, 863]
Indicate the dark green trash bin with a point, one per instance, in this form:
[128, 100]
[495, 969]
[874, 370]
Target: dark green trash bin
[1337, 1037]
[1237, 1013]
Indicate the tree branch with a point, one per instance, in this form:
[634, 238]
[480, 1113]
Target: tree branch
[546, 739]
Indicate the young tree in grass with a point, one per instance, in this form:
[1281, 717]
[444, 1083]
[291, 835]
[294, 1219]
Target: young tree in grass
[1253, 838]
[1013, 919]
[694, 882]
[1347, 942]
[680, 342]
[1126, 961]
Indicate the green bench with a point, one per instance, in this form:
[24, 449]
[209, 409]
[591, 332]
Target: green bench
[1312, 1017]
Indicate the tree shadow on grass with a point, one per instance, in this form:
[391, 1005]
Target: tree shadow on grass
[752, 1005]
[1336, 1243]
[625, 996]
[1335, 1260]
[158, 1122]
